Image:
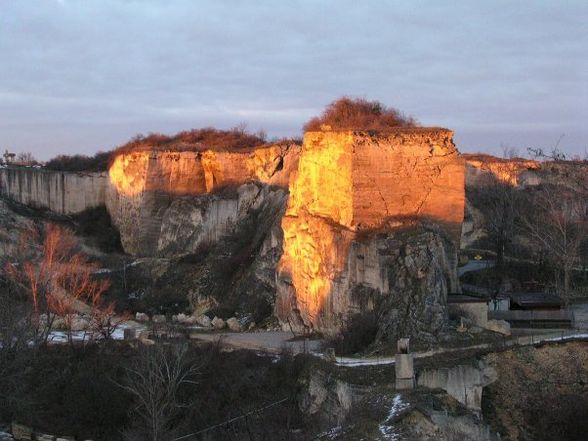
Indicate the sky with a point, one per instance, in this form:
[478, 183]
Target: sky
[78, 76]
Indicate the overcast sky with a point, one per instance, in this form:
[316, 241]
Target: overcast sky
[77, 76]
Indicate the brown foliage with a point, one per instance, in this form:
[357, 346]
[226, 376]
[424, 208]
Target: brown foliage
[76, 163]
[358, 113]
[195, 140]
[60, 281]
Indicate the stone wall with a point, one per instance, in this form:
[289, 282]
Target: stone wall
[60, 192]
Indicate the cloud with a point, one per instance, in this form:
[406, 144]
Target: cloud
[89, 75]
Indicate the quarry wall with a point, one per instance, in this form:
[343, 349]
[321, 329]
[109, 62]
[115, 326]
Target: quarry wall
[351, 186]
[372, 220]
[152, 193]
[60, 192]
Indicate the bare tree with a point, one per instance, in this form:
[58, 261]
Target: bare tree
[498, 197]
[154, 379]
[60, 281]
[26, 158]
[557, 227]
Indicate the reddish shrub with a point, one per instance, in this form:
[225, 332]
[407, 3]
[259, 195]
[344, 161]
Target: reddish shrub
[358, 113]
[195, 140]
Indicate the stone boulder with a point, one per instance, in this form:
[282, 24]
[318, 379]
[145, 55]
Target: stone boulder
[159, 318]
[204, 321]
[234, 325]
[141, 317]
[218, 323]
[499, 326]
[79, 323]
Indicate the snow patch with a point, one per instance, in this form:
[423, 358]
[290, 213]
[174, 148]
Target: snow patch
[387, 429]
[355, 362]
[332, 433]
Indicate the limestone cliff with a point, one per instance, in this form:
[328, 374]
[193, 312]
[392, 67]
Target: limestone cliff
[349, 186]
[60, 192]
[170, 202]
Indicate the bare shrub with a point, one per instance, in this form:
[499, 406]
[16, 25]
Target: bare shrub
[358, 113]
[75, 163]
[60, 282]
[154, 379]
[26, 158]
[359, 333]
[195, 140]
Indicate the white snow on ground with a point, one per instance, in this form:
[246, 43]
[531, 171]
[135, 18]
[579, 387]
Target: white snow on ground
[516, 341]
[332, 433]
[356, 362]
[5, 436]
[566, 337]
[387, 429]
[102, 271]
[57, 337]
[110, 270]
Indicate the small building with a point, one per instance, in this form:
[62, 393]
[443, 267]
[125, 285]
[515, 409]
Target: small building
[474, 308]
[500, 303]
[534, 301]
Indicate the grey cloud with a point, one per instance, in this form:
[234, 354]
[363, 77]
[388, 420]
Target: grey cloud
[83, 75]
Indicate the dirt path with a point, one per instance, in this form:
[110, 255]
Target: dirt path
[273, 341]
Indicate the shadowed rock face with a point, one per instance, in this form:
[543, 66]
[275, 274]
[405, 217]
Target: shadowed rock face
[60, 192]
[348, 187]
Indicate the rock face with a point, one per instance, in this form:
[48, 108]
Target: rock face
[60, 192]
[349, 188]
[463, 382]
[322, 395]
[510, 171]
[171, 202]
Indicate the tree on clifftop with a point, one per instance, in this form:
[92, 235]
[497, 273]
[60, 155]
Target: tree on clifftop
[358, 113]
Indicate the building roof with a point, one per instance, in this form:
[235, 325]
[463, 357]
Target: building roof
[462, 298]
[535, 299]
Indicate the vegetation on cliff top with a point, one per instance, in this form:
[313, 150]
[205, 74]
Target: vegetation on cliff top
[77, 163]
[358, 113]
[207, 138]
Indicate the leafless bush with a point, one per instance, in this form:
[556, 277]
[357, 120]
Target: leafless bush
[154, 379]
[74, 163]
[195, 140]
[350, 113]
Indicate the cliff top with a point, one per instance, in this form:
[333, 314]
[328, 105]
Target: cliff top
[387, 131]
[198, 140]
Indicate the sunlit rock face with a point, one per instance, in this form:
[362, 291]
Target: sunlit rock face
[160, 198]
[350, 186]
[482, 169]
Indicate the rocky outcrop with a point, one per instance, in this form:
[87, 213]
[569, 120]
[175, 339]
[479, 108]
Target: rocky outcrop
[462, 382]
[171, 202]
[480, 169]
[349, 188]
[60, 192]
[331, 398]
[402, 276]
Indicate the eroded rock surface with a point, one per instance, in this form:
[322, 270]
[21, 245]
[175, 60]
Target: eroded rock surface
[60, 192]
[349, 187]
[169, 202]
